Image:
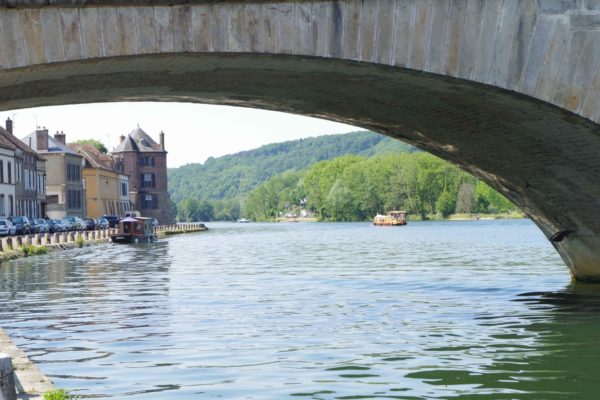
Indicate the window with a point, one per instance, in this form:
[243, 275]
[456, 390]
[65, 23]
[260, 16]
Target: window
[1, 171]
[147, 180]
[149, 201]
[9, 165]
[147, 161]
[123, 188]
[73, 172]
[10, 205]
[2, 205]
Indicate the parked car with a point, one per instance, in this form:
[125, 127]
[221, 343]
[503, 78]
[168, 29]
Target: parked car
[102, 223]
[21, 224]
[89, 224]
[113, 220]
[39, 225]
[76, 223]
[7, 228]
[66, 223]
[55, 225]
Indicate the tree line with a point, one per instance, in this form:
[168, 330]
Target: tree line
[233, 176]
[356, 188]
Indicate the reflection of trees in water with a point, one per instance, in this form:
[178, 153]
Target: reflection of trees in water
[560, 363]
[95, 275]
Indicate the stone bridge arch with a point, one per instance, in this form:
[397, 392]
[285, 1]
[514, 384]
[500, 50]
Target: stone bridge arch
[508, 90]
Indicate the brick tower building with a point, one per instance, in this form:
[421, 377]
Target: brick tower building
[146, 163]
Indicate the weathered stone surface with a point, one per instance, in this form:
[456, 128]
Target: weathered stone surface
[33, 36]
[30, 382]
[163, 29]
[71, 34]
[182, 28]
[420, 31]
[200, 29]
[387, 65]
[435, 36]
[7, 380]
[145, 30]
[90, 32]
[403, 32]
[286, 29]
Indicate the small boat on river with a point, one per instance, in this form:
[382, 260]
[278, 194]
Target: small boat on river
[392, 218]
[134, 230]
[243, 221]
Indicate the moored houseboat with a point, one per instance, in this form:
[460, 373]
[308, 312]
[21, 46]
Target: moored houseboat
[134, 230]
[392, 218]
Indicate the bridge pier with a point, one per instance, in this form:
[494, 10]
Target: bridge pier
[582, 256]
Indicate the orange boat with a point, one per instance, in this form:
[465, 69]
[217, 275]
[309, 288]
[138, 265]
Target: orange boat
[392, 218]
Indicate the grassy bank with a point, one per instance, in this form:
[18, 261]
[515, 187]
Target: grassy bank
[468, 217]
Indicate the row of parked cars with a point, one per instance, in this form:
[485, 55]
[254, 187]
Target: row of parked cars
[21, 225]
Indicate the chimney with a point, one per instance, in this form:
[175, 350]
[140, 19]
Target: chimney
[41, 139]
[162, 140]
[61, 137]
[9, 126]
[122, 137]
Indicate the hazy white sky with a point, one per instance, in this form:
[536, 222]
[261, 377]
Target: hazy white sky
[193, 132]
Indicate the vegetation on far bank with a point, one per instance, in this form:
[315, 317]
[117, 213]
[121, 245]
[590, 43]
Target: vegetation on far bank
[224, 181]
[356, 188]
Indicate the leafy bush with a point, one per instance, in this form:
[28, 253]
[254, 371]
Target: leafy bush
[31, 250]
[27, 249]
[59, 394]
[37, 250]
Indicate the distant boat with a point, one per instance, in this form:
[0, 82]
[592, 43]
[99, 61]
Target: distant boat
[243, 221]
[392, 218]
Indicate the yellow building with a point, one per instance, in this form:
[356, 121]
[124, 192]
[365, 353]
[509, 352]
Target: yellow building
[106, 187]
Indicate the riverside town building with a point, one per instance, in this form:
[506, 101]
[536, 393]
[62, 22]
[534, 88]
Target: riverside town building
[41, 176]
[145, 161]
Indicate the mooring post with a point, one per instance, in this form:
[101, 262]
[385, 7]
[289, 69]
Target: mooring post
[7, 379]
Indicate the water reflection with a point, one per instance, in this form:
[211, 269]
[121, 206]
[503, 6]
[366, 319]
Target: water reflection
[312, 311]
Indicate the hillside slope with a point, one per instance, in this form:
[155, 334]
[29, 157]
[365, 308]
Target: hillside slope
[233, 175]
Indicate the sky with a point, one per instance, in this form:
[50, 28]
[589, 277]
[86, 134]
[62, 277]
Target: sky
[193, 132]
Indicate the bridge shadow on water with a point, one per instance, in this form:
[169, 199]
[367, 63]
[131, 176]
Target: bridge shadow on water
[555, 355]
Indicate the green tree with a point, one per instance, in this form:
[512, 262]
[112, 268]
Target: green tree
[446, 203]
[96, 143]
[193, 210]
[339, 202]
[466, 202]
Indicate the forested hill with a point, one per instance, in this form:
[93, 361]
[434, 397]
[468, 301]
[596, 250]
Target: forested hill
[236, 174]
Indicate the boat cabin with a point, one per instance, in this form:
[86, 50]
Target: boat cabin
[392, 218]
[134, 230]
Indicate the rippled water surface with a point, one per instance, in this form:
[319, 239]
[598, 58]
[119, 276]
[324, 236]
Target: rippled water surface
[480, 309]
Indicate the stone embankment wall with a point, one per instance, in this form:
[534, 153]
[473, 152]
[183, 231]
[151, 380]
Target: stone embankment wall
[20, 378]
[10, 245]
[188, 227]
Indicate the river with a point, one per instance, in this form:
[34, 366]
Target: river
[478, 309]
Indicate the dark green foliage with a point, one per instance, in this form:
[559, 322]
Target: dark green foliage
[232, 176]
[96, 143]
[192, 210]
[354, 188]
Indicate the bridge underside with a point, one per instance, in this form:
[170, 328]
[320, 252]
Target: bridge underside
[543, 158]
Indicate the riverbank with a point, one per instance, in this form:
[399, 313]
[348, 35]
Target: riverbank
[475, 217]
[178, 229]
[430, 217]
[29, 380]
[14, 247]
